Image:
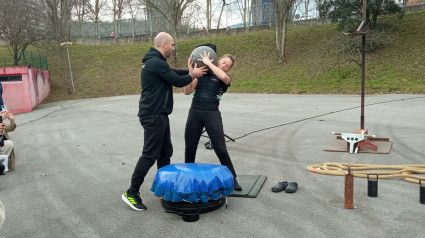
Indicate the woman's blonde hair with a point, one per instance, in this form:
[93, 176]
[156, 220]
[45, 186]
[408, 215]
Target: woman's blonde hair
[231, 57]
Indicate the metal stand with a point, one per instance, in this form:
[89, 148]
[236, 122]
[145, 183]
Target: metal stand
[357, 140]
[362, 31]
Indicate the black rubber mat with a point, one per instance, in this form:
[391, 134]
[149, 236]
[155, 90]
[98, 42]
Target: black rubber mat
[251, 185]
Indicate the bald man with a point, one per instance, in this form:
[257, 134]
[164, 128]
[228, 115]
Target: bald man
[156, 103]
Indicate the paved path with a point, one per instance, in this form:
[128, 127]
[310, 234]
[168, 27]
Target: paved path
[75, 159]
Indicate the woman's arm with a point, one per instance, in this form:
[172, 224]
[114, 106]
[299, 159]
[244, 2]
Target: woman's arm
[188, 89]
[223, 76]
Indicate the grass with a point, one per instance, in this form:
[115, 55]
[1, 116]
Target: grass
[310, 66]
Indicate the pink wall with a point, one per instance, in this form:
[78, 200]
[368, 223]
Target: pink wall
[23, 96]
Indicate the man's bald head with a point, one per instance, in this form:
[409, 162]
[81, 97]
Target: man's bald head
[164, 43]
[162, 37]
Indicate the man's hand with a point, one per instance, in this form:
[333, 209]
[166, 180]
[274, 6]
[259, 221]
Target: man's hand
[194, 71]
[198, 72]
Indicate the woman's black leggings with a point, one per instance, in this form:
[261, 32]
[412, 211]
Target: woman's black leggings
[211, 120]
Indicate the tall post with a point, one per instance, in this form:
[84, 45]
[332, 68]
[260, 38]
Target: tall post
[363, 64]
[70, 70]
[363, 81]
[66, 44]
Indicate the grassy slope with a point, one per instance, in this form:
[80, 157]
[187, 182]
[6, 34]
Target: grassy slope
[399, 67]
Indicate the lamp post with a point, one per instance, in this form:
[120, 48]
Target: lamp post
[67, 44]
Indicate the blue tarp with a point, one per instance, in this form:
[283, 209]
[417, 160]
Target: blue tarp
[192, 182]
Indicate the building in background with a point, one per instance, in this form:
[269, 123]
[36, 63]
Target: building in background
[263, 13]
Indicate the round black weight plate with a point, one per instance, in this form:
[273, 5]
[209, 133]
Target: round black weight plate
[179, 207]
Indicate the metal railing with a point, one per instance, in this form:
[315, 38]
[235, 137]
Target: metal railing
[29, 59]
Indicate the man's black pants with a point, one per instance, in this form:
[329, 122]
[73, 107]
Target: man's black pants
[157, 147]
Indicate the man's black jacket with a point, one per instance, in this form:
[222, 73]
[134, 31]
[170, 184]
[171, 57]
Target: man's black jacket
[158, 79]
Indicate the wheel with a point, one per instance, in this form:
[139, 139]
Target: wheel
[179, 207]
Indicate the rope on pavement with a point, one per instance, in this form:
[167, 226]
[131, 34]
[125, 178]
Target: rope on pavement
[406, 172]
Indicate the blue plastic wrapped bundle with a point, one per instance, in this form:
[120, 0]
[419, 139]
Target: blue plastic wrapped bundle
[192, 182]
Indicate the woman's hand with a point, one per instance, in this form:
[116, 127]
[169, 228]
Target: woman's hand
[206, 58]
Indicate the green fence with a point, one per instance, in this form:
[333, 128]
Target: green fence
[28, 58]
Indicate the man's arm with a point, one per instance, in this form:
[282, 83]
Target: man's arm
[181, 72]
[169, 74]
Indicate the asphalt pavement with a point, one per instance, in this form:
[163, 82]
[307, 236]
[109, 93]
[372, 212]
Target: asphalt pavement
[75, 159]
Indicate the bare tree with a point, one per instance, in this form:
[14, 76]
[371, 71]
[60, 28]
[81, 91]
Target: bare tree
[306, 5]
[172, 11]
[209, 14]
[21, 24]
[58, 21]
[225, 3]
[303, 6]
[94, 9]
[221, 12]
[134, 9]
[281, 10]
[245, 8]
[194, 16]
[118, 7]
[80, 11]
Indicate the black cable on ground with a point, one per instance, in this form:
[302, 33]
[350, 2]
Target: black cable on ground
[312, 117]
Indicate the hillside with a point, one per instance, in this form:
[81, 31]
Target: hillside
[311, 67]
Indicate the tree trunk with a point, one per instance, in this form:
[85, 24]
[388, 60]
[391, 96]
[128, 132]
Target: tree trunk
[306, 3]
[250, 13]
[244, 14]
[174, 35]
[281, 9]
[16, 57]
[209, 14]
[282, 54]
[221, 12]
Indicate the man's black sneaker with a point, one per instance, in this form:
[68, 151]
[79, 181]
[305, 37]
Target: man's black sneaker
[134, 201]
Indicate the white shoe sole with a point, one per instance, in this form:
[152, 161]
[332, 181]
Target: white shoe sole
[131, 205]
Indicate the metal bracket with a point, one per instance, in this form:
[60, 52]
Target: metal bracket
[357, 140]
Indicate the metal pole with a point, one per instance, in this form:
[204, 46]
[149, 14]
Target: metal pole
[363, 64]
[363, 80]
[70, 70]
